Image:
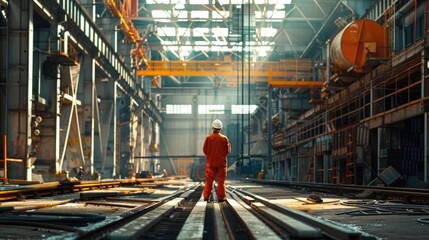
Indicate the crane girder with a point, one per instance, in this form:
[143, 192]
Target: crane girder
[276, 74]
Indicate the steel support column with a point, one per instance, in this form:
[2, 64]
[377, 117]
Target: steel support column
[105, 128]
[269, 128]
[133, 143]
[20, 85]
[71, 144]
[379, 141]
[139, 149]
[425, 94]
[126, 160]
[112, 140]
[425, 146]
[3, 73]
[89, 118]
[325, 168]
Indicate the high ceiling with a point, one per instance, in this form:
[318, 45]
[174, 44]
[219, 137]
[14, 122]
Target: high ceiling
[213, 29]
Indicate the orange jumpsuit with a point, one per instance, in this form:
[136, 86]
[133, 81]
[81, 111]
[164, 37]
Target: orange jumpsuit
[216, 148]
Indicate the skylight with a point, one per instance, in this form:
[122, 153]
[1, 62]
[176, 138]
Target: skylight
[226, 2]
[270, 14]
[267, 32]
[220, 49]
[181, 14]
[202, 48]
[184, 32]
[220, 32]
[198, 32]
[220, 14]
[198, 1]
[200, 14]
[166, 31]
[217, 36]
[201, 43]
[159, 1]
[273, 1]
[171, 48]
[167, 43]
[161, 13]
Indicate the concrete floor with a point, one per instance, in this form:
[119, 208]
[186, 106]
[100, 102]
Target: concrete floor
[392, 227]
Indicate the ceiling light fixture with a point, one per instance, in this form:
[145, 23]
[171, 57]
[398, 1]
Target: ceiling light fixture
[280, 5]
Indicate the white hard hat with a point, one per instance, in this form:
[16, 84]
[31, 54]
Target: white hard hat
[217, 124]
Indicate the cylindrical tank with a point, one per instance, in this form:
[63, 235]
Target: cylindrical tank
[356, 42]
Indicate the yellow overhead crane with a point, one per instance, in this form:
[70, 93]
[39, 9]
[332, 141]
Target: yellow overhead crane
[287, 73]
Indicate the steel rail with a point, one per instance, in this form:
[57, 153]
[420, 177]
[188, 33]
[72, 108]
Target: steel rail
[219, 224]
[219, 220]
[255, 227]
[294, 228]
[18, 216]
[234, 227]
[105, 230]
[187, 219]
[66, 219]
[194, 225]
[409, 194]
[328, 229]
[139, 225]
[42, 225]
[53, 188]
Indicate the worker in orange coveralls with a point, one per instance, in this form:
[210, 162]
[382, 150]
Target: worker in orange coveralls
[216, 148]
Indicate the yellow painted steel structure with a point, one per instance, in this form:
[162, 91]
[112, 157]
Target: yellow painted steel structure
[290, 73]
[184, 166]
[128, 27]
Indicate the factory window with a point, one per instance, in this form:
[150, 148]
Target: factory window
[211, 109]
[420, 24]
[409, 35]
[243, 109]
[198, 2]
[178, 109]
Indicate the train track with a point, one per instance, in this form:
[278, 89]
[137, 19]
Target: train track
[285, 223]
[168, 212]
[411, 195]
[63, 215]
